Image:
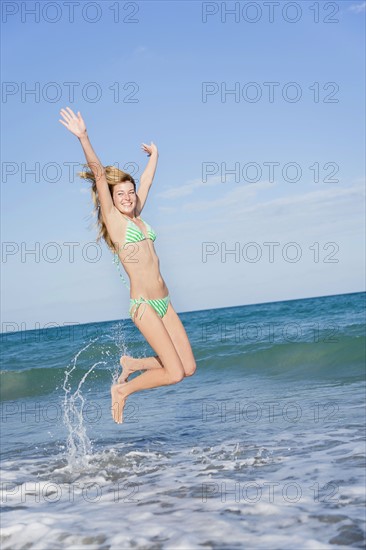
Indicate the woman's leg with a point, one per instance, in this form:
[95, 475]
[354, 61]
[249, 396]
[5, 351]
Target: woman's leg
[180, 339]
[181, 343]
[131, 364]
[172, 371]
[150, 379]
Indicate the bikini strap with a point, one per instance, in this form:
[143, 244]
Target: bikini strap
[117, 262]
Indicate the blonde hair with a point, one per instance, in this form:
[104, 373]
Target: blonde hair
[113, 176]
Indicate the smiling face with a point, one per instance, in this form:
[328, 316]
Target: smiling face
[125, 198]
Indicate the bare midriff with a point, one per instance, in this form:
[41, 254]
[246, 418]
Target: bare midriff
[143, 268]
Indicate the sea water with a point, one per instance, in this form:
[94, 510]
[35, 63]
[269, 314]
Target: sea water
[264, 447]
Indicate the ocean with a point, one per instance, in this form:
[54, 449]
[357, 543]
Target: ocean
[264, 447]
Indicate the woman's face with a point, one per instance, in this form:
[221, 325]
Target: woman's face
[124, 197]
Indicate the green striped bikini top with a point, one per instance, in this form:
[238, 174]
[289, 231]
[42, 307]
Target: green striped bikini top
[133, 235]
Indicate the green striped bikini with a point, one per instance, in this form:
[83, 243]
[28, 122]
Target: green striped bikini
[134, 235]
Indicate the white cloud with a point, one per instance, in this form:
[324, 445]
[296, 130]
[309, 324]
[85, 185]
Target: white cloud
[143, 54]
[140, 49]
[358, 8]
[167, 209]
[325, 221]
[189, 187]
[236, 196]
[334, 209]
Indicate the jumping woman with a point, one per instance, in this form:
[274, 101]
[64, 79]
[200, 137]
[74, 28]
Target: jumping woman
[131, 240]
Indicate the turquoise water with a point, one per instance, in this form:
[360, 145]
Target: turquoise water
[262, 448]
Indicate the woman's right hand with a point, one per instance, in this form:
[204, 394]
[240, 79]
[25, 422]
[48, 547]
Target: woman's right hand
[74, 123]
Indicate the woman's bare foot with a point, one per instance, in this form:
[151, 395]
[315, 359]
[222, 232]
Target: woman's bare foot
[126, 363]
[118, 402]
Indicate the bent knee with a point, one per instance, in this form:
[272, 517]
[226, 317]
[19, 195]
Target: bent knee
[191, 369]
[176, 377]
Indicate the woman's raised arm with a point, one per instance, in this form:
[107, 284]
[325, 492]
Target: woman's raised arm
[76, 125]
[148, 174]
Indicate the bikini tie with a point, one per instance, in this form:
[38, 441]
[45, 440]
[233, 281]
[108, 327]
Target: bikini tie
[138, 303]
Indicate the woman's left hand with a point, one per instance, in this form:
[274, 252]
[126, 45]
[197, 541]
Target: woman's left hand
[150, 149]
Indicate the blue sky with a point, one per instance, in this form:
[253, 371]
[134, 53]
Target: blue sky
[169, 54]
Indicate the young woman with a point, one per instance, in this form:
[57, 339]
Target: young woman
[131, 239]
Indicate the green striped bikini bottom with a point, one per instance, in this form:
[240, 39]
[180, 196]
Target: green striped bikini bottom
[159, 304]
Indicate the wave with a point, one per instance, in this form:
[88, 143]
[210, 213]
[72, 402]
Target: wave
[342, 360]
[42, 381]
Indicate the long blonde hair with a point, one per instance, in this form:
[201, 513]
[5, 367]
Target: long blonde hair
[113, 176]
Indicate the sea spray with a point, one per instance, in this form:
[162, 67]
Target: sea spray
[79, 447]
[118, 338]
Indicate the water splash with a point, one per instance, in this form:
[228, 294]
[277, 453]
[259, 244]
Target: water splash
[79, 447]
[79, 450]
[119, 340]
